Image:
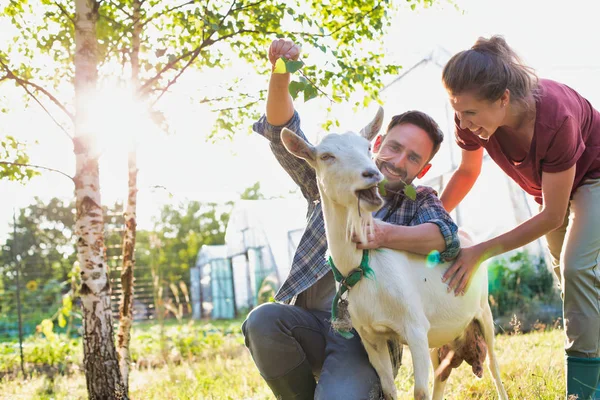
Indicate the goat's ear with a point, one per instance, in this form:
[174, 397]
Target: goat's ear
[372, 129]
[298, 146]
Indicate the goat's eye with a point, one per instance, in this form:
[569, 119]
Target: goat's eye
[327, 157]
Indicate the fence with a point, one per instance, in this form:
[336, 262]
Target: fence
[36, 298]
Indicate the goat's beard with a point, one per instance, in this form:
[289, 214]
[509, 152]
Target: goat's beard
[359, 223]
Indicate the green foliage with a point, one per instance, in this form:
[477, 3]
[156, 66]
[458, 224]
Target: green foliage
[210, 361]
[346, 35]
[179, 232]
[252, 193]
[48, 351]
[408, 189]
[54, 352]
[14, 159]
[267, 290]
[523, 286]
[42, 247]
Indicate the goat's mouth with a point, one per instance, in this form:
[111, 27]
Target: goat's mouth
[369, 195]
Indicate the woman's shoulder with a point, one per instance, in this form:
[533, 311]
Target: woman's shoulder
[556, 102]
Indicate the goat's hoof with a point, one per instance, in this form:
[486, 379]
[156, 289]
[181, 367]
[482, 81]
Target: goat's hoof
[390, 396]
[421, 395]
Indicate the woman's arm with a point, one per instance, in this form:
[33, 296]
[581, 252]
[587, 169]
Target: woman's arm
[463, 179]
[556, 192]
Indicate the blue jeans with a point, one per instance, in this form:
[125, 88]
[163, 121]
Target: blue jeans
[281, 337]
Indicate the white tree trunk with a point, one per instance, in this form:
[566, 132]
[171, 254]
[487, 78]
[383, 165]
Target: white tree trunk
[127, 281]
[99, 356]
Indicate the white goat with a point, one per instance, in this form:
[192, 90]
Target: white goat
[406, 299]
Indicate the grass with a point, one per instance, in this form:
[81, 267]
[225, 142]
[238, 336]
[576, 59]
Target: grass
[531, 366]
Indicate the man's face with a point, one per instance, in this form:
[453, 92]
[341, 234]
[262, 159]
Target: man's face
[403, 154]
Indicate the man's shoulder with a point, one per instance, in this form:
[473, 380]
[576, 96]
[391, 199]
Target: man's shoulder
[425, 192]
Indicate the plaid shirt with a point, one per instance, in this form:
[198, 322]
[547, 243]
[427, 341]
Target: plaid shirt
[309, 264]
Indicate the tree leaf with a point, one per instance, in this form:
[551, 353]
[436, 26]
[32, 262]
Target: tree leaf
[410, 192]
[280, 67]
[310, 92]
[381, 187]
[62, 322]
[293, 66]
[296, 87]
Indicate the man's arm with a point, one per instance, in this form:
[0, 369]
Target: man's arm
[280, 113]
[420, 239]
[430, 229]
[280, 107]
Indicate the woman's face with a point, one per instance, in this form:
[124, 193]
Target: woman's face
[481, 117]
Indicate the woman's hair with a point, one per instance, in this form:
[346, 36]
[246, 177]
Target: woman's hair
[487, 70]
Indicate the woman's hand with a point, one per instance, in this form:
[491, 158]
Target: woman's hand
[463, 268]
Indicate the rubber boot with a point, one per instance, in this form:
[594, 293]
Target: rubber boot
[298, 384]
[583, 377]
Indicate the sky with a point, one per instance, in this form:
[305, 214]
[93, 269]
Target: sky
[558, 38]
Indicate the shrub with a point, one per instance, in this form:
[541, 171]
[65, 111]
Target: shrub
[522, 285]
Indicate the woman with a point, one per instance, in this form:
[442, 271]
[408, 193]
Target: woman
[546, 137]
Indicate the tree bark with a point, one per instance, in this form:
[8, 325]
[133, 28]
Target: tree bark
[127, 281]
[99, 355]
[127, 276]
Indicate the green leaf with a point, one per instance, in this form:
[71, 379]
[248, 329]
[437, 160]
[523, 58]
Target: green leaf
[293, 66]
[62, 322]
[296, 87]
[310, 92]
[410, 192]
[381, 187]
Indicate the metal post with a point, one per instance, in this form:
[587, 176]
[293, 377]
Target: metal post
[201, 297]
[17, 265]
[235, 311]
[249, 280]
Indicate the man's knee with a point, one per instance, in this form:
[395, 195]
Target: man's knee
[349, 376]
[261, 321]
[366, 387]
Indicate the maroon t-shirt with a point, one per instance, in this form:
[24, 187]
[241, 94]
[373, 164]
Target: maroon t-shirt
[567, 132]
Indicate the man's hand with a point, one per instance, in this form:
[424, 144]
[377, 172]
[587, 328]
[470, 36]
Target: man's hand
[283, 48]
[376, 239]
[463, 268]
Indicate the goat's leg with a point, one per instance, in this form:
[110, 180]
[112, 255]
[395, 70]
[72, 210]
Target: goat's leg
[487, 324]
[438, 384]
[419, 350]
[379, 356]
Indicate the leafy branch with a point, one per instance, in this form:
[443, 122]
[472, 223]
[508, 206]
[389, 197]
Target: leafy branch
[409, 190]
[194, 55]
[36, 166]
[25, 83]
[310, 89]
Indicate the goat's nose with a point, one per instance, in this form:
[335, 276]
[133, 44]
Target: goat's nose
[370, 173]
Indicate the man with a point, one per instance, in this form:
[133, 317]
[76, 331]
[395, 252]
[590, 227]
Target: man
[293, 343]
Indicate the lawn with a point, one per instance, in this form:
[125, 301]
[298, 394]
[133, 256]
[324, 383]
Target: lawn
[209, 361]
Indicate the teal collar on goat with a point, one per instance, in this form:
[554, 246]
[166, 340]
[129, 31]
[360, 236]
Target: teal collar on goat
[346, 283]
